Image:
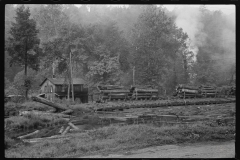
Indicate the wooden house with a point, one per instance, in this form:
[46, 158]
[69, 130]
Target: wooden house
[57, 87]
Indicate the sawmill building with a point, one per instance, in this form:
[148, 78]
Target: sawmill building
[57, 87]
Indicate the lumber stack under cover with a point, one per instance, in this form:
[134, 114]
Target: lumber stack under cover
[187, 91]
[208, 91]
[112, 92]
[144, 92]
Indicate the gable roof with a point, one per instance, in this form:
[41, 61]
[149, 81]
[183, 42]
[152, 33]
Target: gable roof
[62, 80]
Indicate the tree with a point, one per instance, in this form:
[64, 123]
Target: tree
[23, 43]
[157, 45]
[50, 21]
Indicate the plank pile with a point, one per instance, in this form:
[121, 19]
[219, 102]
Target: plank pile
[112, 92]
[144, 92]
[187, 91]
[208, 91]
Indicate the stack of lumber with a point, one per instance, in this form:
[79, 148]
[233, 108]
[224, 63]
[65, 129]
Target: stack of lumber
[109, 87]
[144, 92]
[187, 91]
[208, 91]
[112, 92]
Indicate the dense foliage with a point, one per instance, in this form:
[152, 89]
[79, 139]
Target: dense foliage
[111, 41]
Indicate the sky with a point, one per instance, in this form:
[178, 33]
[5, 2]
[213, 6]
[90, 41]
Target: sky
[227, 9]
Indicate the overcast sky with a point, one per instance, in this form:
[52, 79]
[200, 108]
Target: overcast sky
[227, 9]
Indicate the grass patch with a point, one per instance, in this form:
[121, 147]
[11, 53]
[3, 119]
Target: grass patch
[12, 108]
[116, 138]
[20, 125]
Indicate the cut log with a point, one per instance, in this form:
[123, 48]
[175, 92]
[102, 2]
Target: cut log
[73, 126]
[66, 130]
[28, 135]
[189, 91]
[49, 103]
[69, 111]
[146, 90]
[143, 94]
[209, 91]
[109, 87]
[114, 91]
[61, 130]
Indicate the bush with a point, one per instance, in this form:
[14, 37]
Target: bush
[11, 109]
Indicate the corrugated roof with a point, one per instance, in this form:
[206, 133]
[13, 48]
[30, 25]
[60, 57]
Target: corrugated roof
[62, 80]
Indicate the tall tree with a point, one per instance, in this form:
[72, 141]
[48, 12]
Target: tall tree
[23, 43]
[50, 21]
[157, 42]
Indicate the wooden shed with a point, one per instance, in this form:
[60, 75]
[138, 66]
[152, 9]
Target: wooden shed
[57, 87]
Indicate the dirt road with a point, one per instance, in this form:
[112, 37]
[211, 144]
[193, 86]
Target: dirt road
[196, 150]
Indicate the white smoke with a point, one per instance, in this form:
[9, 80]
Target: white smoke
[188, 18]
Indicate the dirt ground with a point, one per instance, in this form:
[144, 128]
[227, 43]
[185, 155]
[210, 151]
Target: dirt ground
[195, 150]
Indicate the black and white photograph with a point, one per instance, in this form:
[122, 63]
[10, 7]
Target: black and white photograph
[120, 81]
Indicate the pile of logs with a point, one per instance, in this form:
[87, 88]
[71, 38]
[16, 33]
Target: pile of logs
[143, 92]
[112, 92]
[187, 91]
[208, 91]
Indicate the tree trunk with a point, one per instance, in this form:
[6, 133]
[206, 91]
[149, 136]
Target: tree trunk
[26, 89]
[68, 91]
[185, 69]
[49, 103]
[71, 76]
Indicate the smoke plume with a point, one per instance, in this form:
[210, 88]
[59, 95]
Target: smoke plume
[188, 18]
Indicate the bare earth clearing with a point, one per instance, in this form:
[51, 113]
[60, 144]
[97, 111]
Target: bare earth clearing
[195, 150]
